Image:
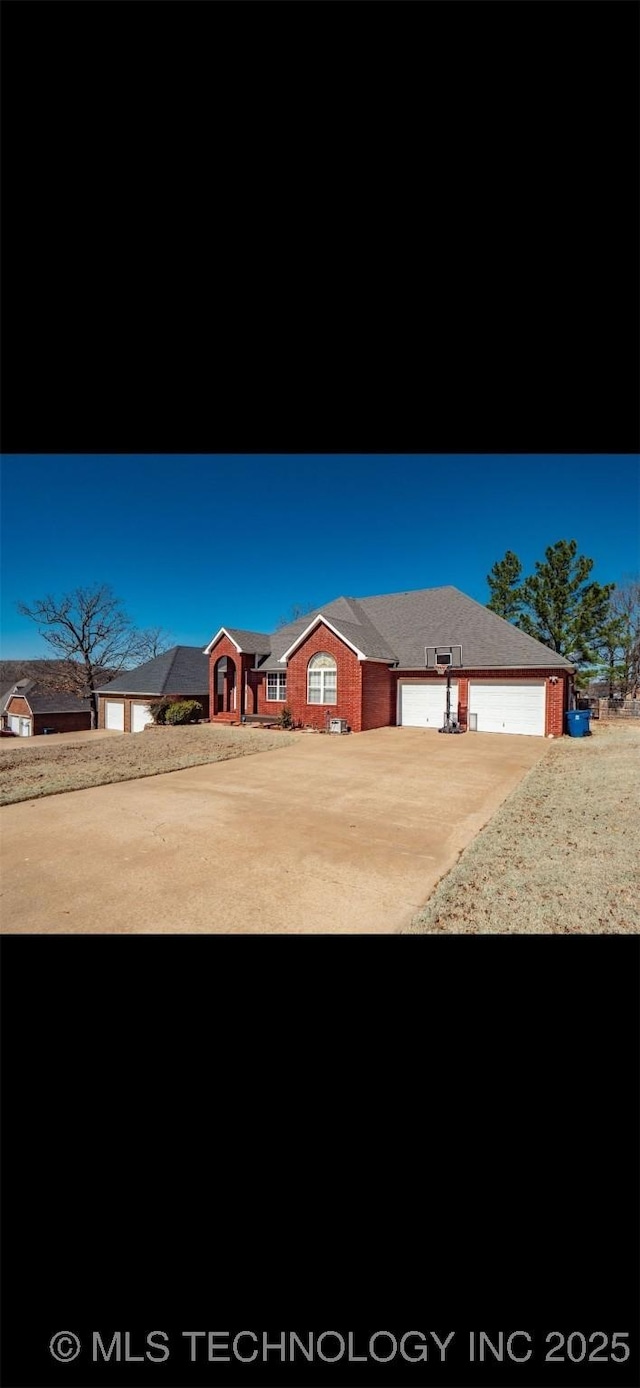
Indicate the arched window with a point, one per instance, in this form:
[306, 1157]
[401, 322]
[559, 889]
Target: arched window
[322, 679]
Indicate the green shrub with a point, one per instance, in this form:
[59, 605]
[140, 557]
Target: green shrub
[286, 719]
[183, 711]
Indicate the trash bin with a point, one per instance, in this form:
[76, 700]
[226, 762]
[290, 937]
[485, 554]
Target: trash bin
[577, 722]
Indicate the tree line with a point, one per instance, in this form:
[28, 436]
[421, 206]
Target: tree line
[595, 626]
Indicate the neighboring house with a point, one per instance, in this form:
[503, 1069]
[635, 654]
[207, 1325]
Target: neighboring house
[367, 660]
[181, 673]
[29, 710]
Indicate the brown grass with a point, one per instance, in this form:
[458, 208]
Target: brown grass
[26, 773]
[561, 854]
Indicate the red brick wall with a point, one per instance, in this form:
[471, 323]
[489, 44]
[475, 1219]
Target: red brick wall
[378, 696]
[18, 705]
[349, 684]
[245, 696]
[79, 722]
[557, 702]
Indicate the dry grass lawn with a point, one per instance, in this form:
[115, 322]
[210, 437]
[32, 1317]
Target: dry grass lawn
[561, 854]
[26, 773]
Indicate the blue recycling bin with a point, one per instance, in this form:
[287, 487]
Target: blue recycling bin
[577, 722]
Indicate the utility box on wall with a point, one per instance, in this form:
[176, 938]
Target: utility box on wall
[338, 725]
[473, 722]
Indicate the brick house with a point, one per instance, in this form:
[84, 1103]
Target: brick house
[370, 661]
[29, 710]
[180, 673]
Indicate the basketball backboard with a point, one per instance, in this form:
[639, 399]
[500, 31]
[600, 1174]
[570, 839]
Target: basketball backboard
[450, 655]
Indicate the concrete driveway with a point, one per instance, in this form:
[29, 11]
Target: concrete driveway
[328, 834]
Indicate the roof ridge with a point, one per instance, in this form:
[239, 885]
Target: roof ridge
[407, 592]
[174, 657]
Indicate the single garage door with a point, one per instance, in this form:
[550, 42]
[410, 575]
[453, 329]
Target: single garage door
[14, 723]
[424, 705]
[114, 715]
[140, 717]
[517, 707]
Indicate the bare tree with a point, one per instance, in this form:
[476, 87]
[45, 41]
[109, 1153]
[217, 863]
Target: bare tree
[152, 642]
[296, 611]
[625, 611]
[91, 635]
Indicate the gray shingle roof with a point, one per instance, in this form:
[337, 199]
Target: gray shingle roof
[57, 703]
[397, 627]
[181, 670]
[347, 616]
[445, 616]
[6, 695]
[47, 700]
[253, 642]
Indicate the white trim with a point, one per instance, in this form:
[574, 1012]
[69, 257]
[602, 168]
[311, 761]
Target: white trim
[322, 671]
[223, 632]
[312, 626]
[137, 694]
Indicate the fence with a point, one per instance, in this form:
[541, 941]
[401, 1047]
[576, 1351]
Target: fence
[614, 709]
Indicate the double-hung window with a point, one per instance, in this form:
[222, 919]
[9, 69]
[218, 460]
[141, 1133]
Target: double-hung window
[276, 685]
[322, 679]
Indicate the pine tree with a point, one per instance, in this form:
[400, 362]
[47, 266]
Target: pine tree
[503, 580]
[561, 608]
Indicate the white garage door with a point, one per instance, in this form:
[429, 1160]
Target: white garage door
[424, 705]
[114, 716]
[14, 723]
[508, 708]
[140, 716]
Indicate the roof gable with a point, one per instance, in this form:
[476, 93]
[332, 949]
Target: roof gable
[245, 642]
[347, 631]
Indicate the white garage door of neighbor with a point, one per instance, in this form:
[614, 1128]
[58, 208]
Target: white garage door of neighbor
[424, 705]
[140, 717]
[114, 716]
[14, 723]
[508, 708]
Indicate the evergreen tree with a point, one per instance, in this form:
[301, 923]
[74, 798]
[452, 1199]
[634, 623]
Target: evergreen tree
[561, 608]
[503, 580]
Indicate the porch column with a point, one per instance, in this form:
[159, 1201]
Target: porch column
[243, 664]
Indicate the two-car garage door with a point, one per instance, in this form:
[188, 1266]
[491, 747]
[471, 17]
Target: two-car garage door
[114, 716]
[516, 707]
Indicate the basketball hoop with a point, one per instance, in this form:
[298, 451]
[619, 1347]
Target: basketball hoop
[441, 669]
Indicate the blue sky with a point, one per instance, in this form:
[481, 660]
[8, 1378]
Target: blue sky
[194, 543]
